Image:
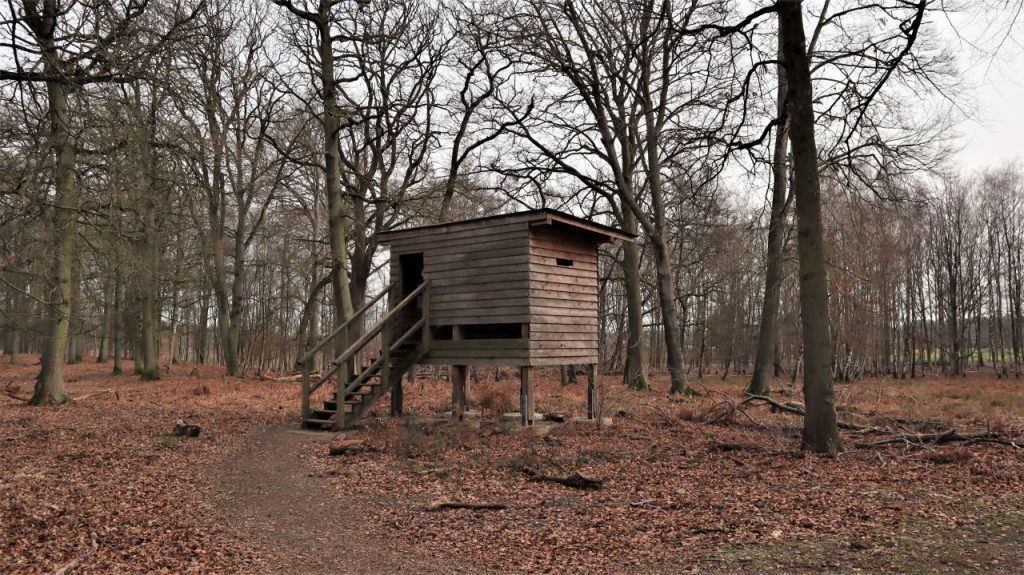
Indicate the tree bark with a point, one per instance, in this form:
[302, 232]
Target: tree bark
[331, 119]
[669, 315]
[202, 328]
[150, 264]
[105, 325]
[13, 329]
[768, 330]
[49, 387]
[117, 329]
[821, 432]
[635, 372]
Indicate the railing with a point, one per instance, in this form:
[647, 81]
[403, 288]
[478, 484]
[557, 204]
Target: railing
[349, 380]
[307, 360]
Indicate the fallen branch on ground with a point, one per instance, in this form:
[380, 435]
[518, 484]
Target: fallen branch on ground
[948, 436]
[81, 559]
[466, 505]
[346, 446]
[11, 391]
[789, 407]
[731, 408]
[292, 377]
[576, 480]
[100, 392]
[937, 438]
[798, 409]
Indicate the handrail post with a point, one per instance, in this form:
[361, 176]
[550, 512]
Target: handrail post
[426, 318]
[341, 390]
[306, 374]
[385, 349]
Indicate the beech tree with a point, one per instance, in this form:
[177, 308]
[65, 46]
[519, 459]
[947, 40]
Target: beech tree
[821, 432]
[315, 33]
[67, 48]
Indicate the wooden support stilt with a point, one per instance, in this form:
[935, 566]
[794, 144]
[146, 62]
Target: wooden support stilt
[525, 396]
[397, 397]
[459, 392]
[592, 399]
[344, 378]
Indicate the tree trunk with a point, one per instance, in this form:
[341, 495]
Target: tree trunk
[117, 329]
[821, 432]
[635, 372]
[669, 316]
[202, 343]
[105, 325]
[150, 370]
[13, 329]
[336, 223]
[172, 340]
[49, 388]
[768, 330]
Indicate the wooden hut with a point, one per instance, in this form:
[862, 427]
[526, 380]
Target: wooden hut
[510, 290]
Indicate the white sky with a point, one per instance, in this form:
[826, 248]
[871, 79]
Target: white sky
[995, 93]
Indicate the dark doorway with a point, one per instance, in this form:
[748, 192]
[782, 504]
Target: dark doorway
[412, 277]
[412, 272]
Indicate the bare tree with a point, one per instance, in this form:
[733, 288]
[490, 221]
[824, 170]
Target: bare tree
[66, 49]
[821, 432]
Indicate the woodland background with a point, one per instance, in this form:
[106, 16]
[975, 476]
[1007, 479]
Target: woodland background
[192, 191]
[203, 181]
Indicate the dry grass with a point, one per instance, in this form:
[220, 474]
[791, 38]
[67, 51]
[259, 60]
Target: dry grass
[495, 399]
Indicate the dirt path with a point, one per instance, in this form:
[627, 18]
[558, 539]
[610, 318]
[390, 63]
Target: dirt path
[270, 498]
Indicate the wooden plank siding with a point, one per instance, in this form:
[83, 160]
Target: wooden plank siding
[479, 274]
[563, 299]
[505, 270]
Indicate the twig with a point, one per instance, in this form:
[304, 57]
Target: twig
[81, 559]
[100, 392]
[576, 480]
[466, 505]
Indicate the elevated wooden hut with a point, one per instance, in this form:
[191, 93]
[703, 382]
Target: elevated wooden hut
[510, 290]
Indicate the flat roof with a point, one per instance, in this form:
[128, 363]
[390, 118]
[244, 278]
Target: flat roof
[533, 217]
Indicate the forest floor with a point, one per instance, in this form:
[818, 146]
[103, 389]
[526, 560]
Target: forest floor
[103, 480]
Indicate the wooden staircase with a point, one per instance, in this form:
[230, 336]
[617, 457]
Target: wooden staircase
[355, 391]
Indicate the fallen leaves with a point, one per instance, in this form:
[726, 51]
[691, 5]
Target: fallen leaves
[95, 486]
[677, 494]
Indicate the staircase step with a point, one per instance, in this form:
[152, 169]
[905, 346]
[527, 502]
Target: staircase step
[329, 407]
[316, 423]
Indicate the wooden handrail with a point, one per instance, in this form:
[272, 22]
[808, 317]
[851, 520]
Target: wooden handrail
[346, 384]
[380, 359]
[372, 332]
[324, 378]
[306, 360]
[358, 314]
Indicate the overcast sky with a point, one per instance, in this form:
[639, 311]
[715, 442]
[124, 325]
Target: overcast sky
[996, 91]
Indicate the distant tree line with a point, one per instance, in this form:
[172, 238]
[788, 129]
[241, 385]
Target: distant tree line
[203, 181]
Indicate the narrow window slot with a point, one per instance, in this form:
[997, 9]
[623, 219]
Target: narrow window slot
[564, 262]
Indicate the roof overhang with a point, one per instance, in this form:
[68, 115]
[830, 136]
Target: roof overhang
[542, 217]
